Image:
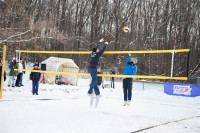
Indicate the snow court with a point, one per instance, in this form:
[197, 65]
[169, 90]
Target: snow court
[72, 113]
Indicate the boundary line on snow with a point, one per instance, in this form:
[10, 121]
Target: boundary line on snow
[140, 130]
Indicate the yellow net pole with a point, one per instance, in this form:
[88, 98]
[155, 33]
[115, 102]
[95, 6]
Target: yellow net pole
[106, 52]
[108, 75]
[3, 68]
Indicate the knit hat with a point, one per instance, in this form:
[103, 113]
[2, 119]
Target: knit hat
[136, 60]
[94, 49]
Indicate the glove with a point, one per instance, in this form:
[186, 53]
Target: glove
[101, 40]
[106, 43]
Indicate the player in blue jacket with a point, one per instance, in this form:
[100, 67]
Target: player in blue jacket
[94, 61]
[130, 69]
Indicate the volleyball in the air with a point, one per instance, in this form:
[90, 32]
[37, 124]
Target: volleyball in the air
[125, 29]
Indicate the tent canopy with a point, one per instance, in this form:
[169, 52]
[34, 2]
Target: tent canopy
[60, 65]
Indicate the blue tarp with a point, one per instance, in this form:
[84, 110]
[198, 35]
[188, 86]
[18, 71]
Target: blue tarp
[180, 89]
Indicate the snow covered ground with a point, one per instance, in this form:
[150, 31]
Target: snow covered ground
[65, 109]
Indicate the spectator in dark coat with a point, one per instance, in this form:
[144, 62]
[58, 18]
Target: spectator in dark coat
[100, 79]
[35, 77]
[112, 79]
[13, 73]
[19, 75]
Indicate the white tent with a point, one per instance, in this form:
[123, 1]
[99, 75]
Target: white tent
[60, 65]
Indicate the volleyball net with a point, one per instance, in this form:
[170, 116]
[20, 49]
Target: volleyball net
[104, 75]
[109, 52]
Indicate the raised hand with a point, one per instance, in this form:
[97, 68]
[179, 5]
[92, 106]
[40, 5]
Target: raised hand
[101, 40]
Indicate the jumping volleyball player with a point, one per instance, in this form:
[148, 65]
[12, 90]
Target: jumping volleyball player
[94, 61]
[130, 69]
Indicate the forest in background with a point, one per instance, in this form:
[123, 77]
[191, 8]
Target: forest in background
[77, 25]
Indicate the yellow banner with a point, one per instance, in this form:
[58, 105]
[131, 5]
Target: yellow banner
[106, 52]
[108, 75]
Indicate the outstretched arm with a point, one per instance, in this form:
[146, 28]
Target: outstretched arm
[128, 58]
[98, 44]
[104, 48]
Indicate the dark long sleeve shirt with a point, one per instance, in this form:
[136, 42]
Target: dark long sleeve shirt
[95, 56]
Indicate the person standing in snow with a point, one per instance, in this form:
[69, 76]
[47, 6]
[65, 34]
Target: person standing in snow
[112, 79]
[24, 67]
[35, 77]
[13, 73]
[20, 66]
[130, 69]
[100, 79]
[94, 61]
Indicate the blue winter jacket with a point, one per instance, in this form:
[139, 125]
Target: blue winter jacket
[95, 56]
[129, 69]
